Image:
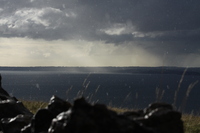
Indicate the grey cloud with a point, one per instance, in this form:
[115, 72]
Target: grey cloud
[155, 20]
[33, 22]
[151, 20]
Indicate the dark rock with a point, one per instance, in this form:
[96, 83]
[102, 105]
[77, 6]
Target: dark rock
[10, 109]
[57, 105]
[154, 106]
[133, 114]
[14, 125]
[4, 94]
[2, 91]
[10, 106]
[84, 117]
[26, 129]
[41, 121]
[163, 121]
[13, 114]
[59, 124]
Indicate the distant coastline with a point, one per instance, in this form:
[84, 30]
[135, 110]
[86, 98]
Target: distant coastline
[107, 70]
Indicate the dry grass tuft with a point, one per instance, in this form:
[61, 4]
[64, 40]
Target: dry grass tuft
[34, 106]
[191, 123]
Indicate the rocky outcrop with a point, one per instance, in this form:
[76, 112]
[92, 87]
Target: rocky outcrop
[61, 116]
[42, 120]
[161, 118]
[13, 114]
[83, 117]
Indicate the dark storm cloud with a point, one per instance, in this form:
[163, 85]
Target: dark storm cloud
[148, 30]
[168, 15]
[110, 20]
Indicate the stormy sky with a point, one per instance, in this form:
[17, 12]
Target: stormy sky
[100, 33]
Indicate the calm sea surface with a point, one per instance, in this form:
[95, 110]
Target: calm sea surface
[131, 90]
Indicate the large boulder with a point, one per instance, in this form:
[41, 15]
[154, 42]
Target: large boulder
[83, 117]
[57, 105]
[11, 108]
[163, 121]
[14, 125]
[41, 121]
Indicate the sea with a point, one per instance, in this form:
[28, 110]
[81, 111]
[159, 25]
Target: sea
[123, 87]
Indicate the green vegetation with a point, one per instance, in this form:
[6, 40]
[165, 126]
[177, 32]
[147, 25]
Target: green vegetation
[191, 122]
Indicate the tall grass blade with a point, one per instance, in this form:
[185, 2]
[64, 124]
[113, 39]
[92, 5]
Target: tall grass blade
[179, 86]
[190, 87]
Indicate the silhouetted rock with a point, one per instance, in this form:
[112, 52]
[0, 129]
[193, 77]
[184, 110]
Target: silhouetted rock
[41, 121]
[2, 91]
[154, 106]
[14, 125]
[12, 112]
[57, 105]
[83, 117]
[10, 108]
[163, 121]
[161, 117]
[133, 114]
[4, 94]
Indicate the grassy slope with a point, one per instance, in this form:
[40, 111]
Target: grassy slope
[191, 122]
[33, 106]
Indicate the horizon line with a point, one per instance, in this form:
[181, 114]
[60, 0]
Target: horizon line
[105, 66]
